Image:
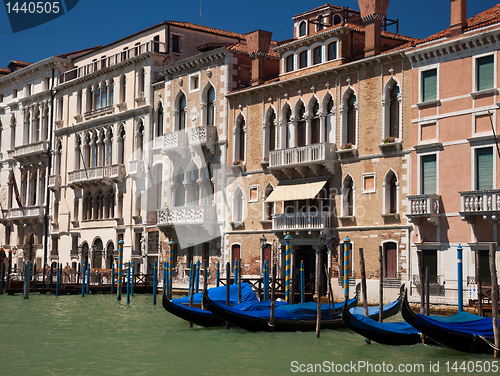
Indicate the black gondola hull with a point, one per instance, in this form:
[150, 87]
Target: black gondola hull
[202, 318]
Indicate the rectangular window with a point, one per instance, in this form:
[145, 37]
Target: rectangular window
[176, 43]
[14, 93]
[253, 194]
[303, 59]
[46, 83]
[429, 174]
[429, 85]
[368, 183]
[289, 63]
[484, 168]
[28, 89]
[1, 98]
[485, 73]
[332, 51]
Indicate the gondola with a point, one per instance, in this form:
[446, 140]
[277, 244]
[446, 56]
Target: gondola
[386, 333]
[180, 307]
[287, 318]
[464, 332]
[388, 310]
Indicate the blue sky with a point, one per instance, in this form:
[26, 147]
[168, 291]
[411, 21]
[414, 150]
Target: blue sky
[94, 22]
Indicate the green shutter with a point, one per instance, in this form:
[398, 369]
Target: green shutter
[429, 173]
[485, 72]
[429, 85]
[484, 168]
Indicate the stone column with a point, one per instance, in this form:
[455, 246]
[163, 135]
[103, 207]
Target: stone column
[308, 128]
[323, 137]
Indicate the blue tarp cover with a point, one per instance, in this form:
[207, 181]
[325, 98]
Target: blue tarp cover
[218, 294]
[482, 326]
[373, 310]
[383, 327]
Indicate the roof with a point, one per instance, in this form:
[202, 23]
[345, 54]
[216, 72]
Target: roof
[243, 48]
[320, 7]
[20, 63]
[4, 71]
[189, 25]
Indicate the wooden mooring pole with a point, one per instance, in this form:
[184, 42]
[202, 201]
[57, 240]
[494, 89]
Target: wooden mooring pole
[494, 298]
[427, 292]
[273, 299]
[318, 291]
[228, 283]
[363, 280]
[479, 284]
[420, 259]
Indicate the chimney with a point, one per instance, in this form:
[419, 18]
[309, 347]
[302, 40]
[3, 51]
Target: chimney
[258, 43]
[458, 17]
[373, 13]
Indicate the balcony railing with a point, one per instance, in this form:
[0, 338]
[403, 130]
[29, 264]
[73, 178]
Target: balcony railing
[187, 215]
[54, 182]
[302, 221]
[33, 150]
[25, 213]
[323, 153]
[485, 203]
[97, 175]
[135, 168]
[175, 140]
[424, 206]
[151, 46]
[203, 135]
[99, 111]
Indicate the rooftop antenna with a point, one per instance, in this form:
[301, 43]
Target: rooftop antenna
[200, 12]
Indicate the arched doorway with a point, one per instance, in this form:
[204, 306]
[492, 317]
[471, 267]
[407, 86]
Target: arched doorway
[97, 254]
[109, 255]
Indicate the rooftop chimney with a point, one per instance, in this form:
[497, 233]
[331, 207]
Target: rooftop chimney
[258, 43]
[458, 17]
[373, 13]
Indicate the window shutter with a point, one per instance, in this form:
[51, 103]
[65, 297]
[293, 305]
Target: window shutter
[485, 72]
[429, 173]
[484, 168]
[429, 85]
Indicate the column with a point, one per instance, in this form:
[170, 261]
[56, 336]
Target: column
[308, 128]
[323, 137]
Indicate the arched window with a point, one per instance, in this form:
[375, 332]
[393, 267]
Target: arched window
[317, 55]
[140, 140]
[193, 198]
[390, 193]
[89, 99]
[348, 197]
[12, 132]
[268, 206]
[181, 108]
[350, 128]
[287, 116]
[303, 59]
[36, 126]
[315, 126]
[57, 168]
[111, 92]
[97, 98]
[104, 95]
[94, 150]
[109, 155]
[240, 135]
[320, 25]
[79, 102]
[301, 125]
[331, 51]
[110, 205]
[238, 205]
[272, 131]
[102, 149]
[210, 106]
[302, 29]
[337, 19]
[159, 121]
[120, 144]
[394, 112]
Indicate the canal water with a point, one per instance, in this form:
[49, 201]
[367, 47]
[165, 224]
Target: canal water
[98, 335]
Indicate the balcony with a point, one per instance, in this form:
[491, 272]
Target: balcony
[135, 169]
[307, 221]
[35, 150]
[424, 206]
[96, 175]
[304, 159]
[485, 203]
[54, 182]
[99, 112]
[187, 215]
[174, 142]
[28, 213]
[109, 61]
[204, 136]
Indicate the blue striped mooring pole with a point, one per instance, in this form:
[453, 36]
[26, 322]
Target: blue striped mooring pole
[197, 278]
[120, 270]
[170, 266]
[302, 295]
[347, 257]
[288, 238]
[133, 277]
[112, 277]
[165, 277]
[57, 280]
[83, 279]
[190, 277]
[235, 272]
[217, 275]
[155, 281]
[88, 278]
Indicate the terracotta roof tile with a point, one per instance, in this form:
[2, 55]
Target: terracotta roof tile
[20, 63]
[4, 71]
[242, 48]
[207, 29]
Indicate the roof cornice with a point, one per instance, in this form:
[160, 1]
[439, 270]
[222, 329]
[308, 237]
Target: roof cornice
[203, 58]
[33, 69]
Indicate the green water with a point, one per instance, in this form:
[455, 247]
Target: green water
[98, 335]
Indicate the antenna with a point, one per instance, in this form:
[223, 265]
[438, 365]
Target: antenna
[200, 12]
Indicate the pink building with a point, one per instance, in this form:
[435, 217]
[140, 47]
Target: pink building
[454, 181]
